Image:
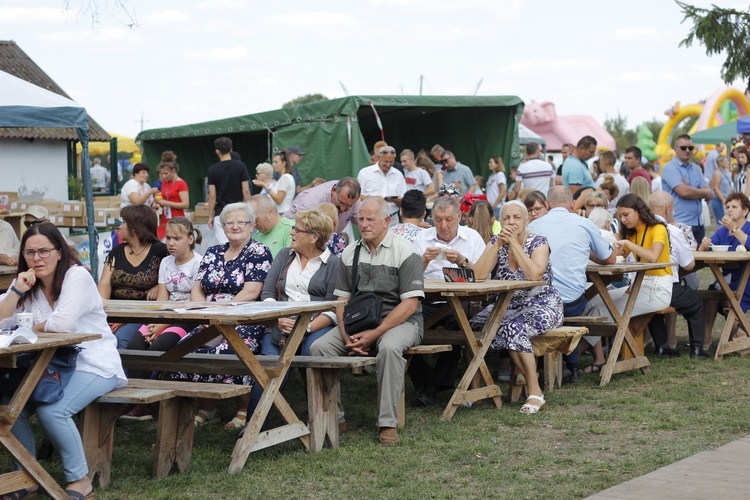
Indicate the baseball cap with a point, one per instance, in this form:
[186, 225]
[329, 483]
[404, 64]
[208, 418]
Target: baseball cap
[295, 150]
[37, 211]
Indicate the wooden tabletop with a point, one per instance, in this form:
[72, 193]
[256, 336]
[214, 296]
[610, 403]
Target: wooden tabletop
[47, 339]
[220, 313]
[448, 289]
[721, 257]
[8, 269]
[626, 267]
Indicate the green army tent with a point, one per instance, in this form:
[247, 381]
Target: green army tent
[337, 134]
[721, 133]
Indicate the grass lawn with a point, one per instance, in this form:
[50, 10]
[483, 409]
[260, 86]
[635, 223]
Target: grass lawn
[589, 438]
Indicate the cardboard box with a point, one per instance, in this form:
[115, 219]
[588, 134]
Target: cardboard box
[65, 221]
[72, 208]
[113, 216]
[201, 210]
[52, 206]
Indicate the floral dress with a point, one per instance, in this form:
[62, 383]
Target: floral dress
[221, 281]
[336, 244]
[531, 312]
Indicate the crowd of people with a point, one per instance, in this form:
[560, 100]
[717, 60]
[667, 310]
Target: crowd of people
[415, 217]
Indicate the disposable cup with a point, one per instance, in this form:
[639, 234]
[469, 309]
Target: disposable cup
[25, 320]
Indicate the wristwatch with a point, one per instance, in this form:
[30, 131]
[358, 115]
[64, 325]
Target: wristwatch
[309, 328]
[464, 264]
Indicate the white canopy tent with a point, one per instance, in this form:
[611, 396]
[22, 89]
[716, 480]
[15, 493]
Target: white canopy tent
[23, 104]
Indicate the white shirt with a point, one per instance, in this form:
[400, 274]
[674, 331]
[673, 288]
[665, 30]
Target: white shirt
[679, 249]
[79, 309]
[467, 242]
[179, 279]
[622, 184]
[133, 186]
[493, 187]
[9, 244]
[417, 179]
[375, 183]
[286, 184]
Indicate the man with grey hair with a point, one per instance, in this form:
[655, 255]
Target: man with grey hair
[573, 241]
[274, 230]
[344, 194]
[535, 173]
[684, 298]
[389, 267]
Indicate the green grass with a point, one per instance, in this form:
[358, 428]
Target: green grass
[589, 438]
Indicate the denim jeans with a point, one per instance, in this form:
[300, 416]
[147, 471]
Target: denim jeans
[57, 421]
[125, 334]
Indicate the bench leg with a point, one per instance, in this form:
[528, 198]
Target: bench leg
[322, 406]
[97, 433]
[174, 435]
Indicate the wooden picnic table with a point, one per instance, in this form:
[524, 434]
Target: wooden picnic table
[455, 293]
[7, 275]
[600, 276]
[33, 473]
[714, 261]
[222, 318]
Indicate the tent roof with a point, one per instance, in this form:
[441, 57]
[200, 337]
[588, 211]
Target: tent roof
[721, 133]
[526, 135]
[356, 107]
[14, 61]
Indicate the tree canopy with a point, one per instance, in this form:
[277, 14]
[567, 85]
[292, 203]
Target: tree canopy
[719, 30]
[305, 99]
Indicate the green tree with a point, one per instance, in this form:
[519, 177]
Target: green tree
[618, 128]
[721, 30]
[305, 99]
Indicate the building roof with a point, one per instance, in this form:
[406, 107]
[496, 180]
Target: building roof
[13, 60]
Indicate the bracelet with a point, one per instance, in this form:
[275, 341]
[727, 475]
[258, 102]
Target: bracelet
[17, 291]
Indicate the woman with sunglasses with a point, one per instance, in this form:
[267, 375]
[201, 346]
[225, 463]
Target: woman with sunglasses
[684, 180]
[62, 296]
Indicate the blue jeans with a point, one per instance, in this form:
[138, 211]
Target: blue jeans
[575, 308]
[718, 208]
[125, 334]
[57, 421]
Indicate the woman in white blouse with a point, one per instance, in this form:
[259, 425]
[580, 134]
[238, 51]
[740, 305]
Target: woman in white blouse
[284, 190]
[137, 191]
[62, 296]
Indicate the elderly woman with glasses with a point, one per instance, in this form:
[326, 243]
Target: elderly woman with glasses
[597, 199]
[231, 272]
[264, 178]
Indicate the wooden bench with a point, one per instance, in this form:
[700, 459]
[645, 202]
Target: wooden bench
[551, 345]
[638, 325]
[323, 376]
[408, 355]
[174, 436]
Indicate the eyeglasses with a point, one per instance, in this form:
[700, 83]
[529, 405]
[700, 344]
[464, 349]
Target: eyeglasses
[29, 223]
[687, 148]
[236, 223]
[594, 206]
[387, 150]
[43, 253]
[534, 211]
[298, 230]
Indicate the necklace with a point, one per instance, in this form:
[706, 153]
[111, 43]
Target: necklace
[133, 252]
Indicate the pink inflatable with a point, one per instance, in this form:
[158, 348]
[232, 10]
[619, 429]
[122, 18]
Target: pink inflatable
[542, 118]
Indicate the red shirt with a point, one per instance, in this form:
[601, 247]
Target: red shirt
[170, 191]
[641, 172]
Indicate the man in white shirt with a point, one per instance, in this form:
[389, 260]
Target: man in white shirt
[535, 174]
[446, 245]
[100, 176]
[607, 160]
[383, 180]
[416, 178]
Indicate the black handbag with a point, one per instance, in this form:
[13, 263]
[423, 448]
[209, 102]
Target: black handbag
[364, 310]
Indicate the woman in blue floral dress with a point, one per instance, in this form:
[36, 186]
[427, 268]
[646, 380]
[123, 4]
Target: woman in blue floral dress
[517, 254]
[234, 271]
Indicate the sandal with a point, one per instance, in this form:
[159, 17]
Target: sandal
[205, 417]
[238, 422]
[76, 495]
[530, 409]
[593, 368]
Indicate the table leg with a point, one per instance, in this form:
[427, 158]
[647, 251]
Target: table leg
[322, 406]
[726, 345]
[462, 393]
[271, 381]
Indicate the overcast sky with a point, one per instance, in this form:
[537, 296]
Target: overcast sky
[189, 61]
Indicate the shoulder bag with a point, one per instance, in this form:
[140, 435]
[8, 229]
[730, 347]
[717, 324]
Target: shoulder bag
[363, 311]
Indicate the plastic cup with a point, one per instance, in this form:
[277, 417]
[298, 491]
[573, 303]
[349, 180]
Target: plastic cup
[25, 320]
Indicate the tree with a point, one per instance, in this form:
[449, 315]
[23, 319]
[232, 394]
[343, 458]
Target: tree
[721, 30]
[618, 129]
[305, 99]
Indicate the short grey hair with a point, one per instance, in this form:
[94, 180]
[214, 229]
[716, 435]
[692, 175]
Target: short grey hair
[262, 204]
[238, 207]
[264, 168]
[601, 218]
[444, 202]
[385, 209]
[515, 203]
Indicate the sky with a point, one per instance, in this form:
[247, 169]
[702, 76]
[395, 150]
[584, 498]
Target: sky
[161, 63]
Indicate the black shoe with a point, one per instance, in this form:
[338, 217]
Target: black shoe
[426, 396]
[699, 354]
[573, 377]
[667, 352]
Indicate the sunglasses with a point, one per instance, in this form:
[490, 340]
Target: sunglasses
[29, 223]
[687, 148]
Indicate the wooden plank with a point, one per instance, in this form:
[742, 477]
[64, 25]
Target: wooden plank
[472, 395]
[184, 389]
[46, 340]
[477, 289]
[280, 435]
[166, 438]
[27, 462]
[734, 346]
[585, 319]
[631, 364]
[130, 395]
[453, 337]
[17, 480]
[428, 349]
